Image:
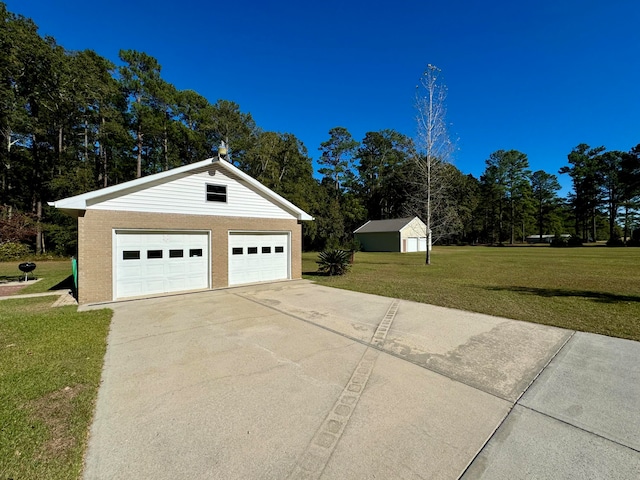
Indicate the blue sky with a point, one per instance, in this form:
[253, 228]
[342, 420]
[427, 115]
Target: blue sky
[536, 76]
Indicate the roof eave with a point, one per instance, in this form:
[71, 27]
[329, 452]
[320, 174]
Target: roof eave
[80, 202]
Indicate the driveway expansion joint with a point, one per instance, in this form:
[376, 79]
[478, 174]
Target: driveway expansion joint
[378, 346]
[590, 432]
[318, 453]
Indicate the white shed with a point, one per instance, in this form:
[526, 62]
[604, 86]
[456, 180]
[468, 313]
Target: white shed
[397, 235]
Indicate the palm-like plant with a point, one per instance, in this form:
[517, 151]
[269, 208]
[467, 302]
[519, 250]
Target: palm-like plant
[334, 262]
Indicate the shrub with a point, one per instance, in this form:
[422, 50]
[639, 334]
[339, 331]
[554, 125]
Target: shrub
[574, 241]
[13, 251]
[615, 242]
[558, 241]
[334, 262]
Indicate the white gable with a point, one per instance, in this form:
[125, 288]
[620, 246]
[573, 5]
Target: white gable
[186, 194]
[415, 228]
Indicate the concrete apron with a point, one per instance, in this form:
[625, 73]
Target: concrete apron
[295, 380]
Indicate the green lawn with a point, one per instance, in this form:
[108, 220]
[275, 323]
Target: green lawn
[50, 273]
[50, 366]
[593, 289]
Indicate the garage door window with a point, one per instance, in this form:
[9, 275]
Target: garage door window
[195, 252]
[237, 251]
[279, 249]
[131, 255]
[176, 253]
[154, 253]
[266, 249]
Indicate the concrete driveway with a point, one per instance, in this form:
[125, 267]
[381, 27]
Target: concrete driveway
[296, 380]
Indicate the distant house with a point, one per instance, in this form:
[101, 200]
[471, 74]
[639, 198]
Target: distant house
[545, 238]
[397, 235]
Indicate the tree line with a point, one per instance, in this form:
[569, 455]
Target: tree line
[73, 121]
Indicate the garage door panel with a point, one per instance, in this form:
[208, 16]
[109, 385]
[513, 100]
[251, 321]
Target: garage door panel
[160, 262]
[412, 244]
[255, 258]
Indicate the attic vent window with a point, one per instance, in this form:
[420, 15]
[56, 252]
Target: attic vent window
[216, 193]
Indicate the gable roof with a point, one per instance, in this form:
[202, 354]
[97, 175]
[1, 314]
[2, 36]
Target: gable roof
[72, 205]
[379, 226]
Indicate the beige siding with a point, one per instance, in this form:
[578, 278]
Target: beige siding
[187, 195]
[95, 238]
[415, 228]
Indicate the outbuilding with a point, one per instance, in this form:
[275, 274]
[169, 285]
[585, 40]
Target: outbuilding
[395, 235]
[201, 226]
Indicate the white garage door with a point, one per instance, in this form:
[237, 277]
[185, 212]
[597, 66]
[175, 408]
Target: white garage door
[160, 262]
[422, 244]
[412, 244]
[258, 257]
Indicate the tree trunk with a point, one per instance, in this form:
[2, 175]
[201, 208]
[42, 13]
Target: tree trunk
[139, 144]
[626, 223]
[103, 154]
[540, 221]
[428, 256]
[39, 236]
[165, 147]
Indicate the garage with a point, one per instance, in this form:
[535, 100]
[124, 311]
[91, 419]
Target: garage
[258, 257]
[200, 226]
[160, 262]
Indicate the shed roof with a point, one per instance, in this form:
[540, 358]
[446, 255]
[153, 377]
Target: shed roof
[379, 226]
[80, 202]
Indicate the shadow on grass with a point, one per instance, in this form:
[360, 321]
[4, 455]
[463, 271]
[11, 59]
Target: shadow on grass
[11, 278]
[315, 274]
[557, 292]
[66, 284]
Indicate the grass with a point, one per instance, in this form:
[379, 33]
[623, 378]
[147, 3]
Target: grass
[50, 366]
[592, 289]
[51, 273]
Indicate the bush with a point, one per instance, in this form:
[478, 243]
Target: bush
[558, 241]
[615, 242]
[574, 241]
[13, 251]
[334, 262]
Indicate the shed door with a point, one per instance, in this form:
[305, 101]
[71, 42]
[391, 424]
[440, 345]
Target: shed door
[160, 262]
[412, 244]
[258, 257]
[422, 244]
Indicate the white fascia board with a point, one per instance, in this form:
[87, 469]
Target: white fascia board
[299, 213]
[81, 202]
[362, 226]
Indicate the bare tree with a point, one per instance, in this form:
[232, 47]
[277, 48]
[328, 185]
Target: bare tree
[434, 150]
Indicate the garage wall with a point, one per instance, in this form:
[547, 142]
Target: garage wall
[415, 229]
[95, 256]
[379, 241]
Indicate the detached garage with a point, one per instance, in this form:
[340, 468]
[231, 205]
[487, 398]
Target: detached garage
[201, 226]
[396, 235]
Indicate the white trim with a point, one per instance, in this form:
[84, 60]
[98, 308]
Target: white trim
[114, 253]
[357, 229]
[288, 233]
[85, 200]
